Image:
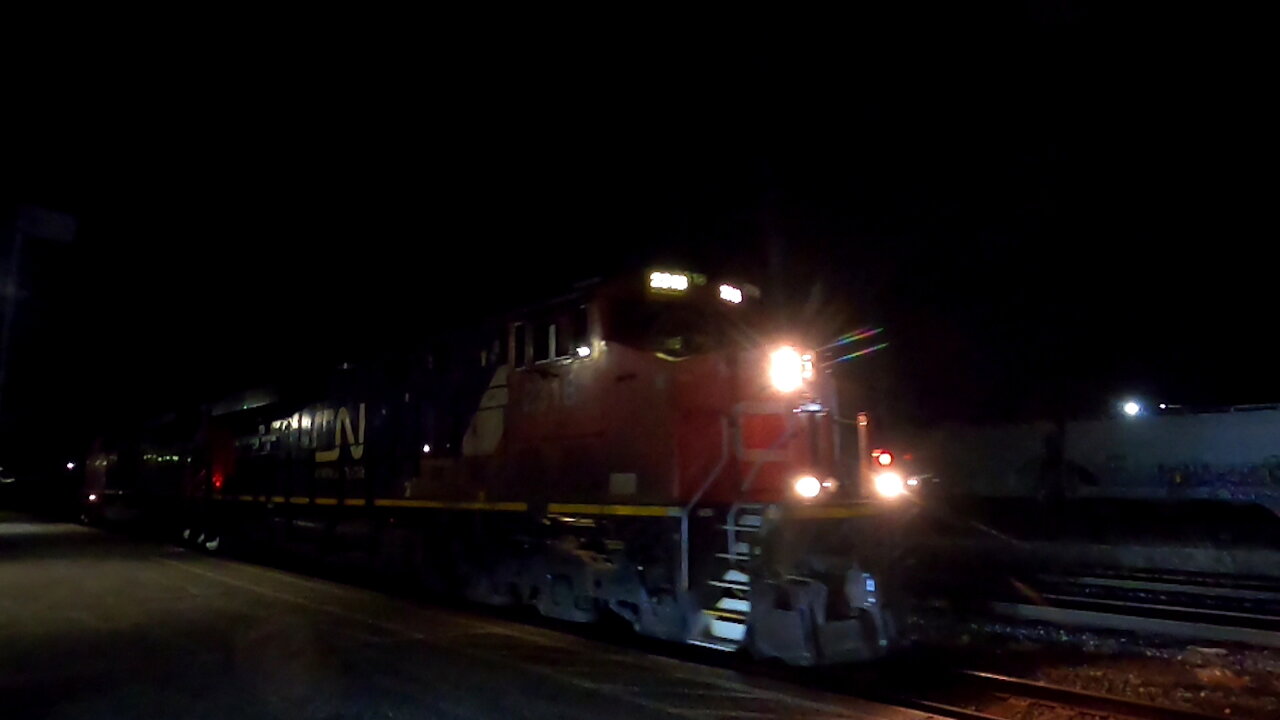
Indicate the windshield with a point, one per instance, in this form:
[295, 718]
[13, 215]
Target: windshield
[682, 327]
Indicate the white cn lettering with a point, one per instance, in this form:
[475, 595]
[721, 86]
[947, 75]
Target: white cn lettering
[355, 440]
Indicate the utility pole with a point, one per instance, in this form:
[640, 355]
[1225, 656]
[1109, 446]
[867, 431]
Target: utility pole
[38, 223]
[10, 302]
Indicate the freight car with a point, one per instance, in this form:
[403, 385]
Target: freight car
[642, 447]
[1163, 491]
[1169, 454]
[133, 476]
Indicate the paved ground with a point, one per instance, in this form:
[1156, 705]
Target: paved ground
[93, 625]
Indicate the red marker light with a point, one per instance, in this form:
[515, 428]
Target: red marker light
[217, 481]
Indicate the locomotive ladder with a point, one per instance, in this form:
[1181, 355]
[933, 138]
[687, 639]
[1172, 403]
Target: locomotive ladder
[724, 624]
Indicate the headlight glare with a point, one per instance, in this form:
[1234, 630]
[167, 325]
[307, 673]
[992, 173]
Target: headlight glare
[890, 485]
[807, 486]
[787, 369]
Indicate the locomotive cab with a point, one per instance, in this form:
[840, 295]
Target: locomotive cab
[708, 416]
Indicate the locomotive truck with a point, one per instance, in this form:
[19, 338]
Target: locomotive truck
[642, 447]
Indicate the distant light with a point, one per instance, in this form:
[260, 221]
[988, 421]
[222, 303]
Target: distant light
[669, 281]
[71, 466]
[426, 449]
[1163, 406]
[730, 294]
[1131, 408]
[884, 458]
[913, 481]
[583, 351]
[93, 498]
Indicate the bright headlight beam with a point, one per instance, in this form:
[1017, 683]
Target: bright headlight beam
[1131, 408]
[786, 369]
[731, 294]
[807, 486]
[890, 485]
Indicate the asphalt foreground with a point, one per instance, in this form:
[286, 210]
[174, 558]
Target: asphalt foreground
[95, 625]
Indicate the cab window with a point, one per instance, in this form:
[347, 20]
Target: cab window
[520, 344]
[543, 340]
[679, 328]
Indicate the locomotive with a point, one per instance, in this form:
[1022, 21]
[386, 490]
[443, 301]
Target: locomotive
[641, 447]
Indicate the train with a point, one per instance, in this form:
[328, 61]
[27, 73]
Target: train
[1148, 489]
[643, 448]
[1227, 455]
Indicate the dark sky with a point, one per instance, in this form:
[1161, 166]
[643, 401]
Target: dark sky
[1047, 205]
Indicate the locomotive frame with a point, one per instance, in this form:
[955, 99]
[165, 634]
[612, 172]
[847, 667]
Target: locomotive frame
[638, 447]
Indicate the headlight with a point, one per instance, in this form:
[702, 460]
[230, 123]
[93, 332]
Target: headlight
[788, 369]
[807, 486]
[890, 485]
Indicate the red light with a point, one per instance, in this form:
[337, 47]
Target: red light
[217, 481]
[885, 458]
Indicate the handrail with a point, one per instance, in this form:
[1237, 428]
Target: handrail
[706, 484]
[750, 479]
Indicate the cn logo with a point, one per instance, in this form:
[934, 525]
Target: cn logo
[343, 423]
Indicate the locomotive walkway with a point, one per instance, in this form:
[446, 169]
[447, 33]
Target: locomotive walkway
[96, 625]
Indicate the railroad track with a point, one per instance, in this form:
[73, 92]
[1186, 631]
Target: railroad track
[976, 695]
[1230, 597]
[1190, 607]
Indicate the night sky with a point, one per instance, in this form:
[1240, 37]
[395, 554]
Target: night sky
[1047, 206]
